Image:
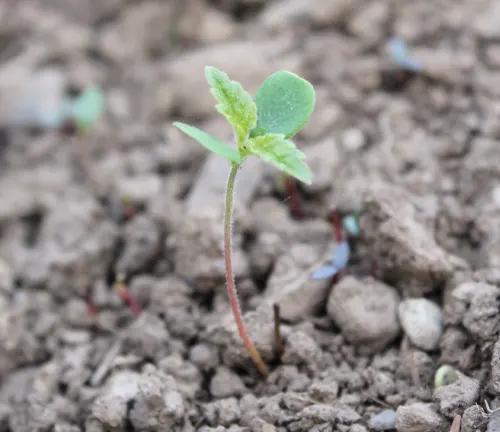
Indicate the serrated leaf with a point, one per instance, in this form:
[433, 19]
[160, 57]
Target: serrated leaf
[281, 153]
[284, 104]
[210, 142]
[235, 104]
[88, 107]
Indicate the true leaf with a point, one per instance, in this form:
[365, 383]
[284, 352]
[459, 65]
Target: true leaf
[284, 104]
[235, 104]
[210, 142]
[88, 107]
[281, 153]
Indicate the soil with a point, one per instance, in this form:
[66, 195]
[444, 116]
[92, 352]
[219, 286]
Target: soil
[114, 315]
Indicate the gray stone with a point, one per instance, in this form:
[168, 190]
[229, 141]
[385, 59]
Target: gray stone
[419, 417]
[226, 383]
[366, 312]
[457, 396]
[422, 322]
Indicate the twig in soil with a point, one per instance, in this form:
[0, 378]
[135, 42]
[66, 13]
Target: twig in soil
[106, 364]
[280, 349]
[376, 400]
[292, 193]
[455, 426]
[488, 410]
[126, 296]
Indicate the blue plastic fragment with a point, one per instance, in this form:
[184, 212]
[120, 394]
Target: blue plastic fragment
[339, 262]
[350, 224]
[398, 50]
[341, 257]
[325, 272]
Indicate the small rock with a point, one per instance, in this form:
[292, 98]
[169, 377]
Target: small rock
[384, 420]
[226, 383]
[473, 419]
[291, 286]
[223, 412]
[109, 410]
[204, 356]
[158, 405]
[146, 337]
[224, 333]
[365, 310]
[6, 278]
[215, 27]
[422, 321]
[323, 158]
[142, 243]
[300, 348]
[198, 244]
[455, 397]
[353, 139]
[412, 260]
[327, 413]
[485, 24]
[419, 417]
[139, 190]
[494, 423]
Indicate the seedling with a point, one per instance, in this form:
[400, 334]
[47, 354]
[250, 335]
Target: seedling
[444, 375]
[262, 127]
[341, 253]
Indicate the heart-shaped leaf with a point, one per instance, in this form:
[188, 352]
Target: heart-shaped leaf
[284, 104]
[210, 142]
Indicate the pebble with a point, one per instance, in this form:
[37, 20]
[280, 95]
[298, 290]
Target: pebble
[384, 420]
[422, 321]
[494, 423]
[420, 417]
[366, 312]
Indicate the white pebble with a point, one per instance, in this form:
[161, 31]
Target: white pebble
[422, 321]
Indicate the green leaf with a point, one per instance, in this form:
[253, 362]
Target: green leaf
[210, 142]
[235, 104]
[88, 107]
[284, 104]
[281, 153]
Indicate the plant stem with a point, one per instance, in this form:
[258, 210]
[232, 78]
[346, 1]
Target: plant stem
[231, 287]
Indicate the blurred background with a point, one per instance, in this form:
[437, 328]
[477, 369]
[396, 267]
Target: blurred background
[107, 211]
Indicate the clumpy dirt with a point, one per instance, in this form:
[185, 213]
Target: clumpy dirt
[114, 315]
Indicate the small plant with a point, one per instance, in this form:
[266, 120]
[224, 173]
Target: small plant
[263, 128]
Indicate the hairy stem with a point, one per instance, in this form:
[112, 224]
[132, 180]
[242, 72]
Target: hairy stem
[231, 287]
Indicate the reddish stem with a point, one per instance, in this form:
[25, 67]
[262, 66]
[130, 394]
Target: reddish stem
[337, 226]
[231, 288]
[291, 191]
[129, 300]
[91, 307]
